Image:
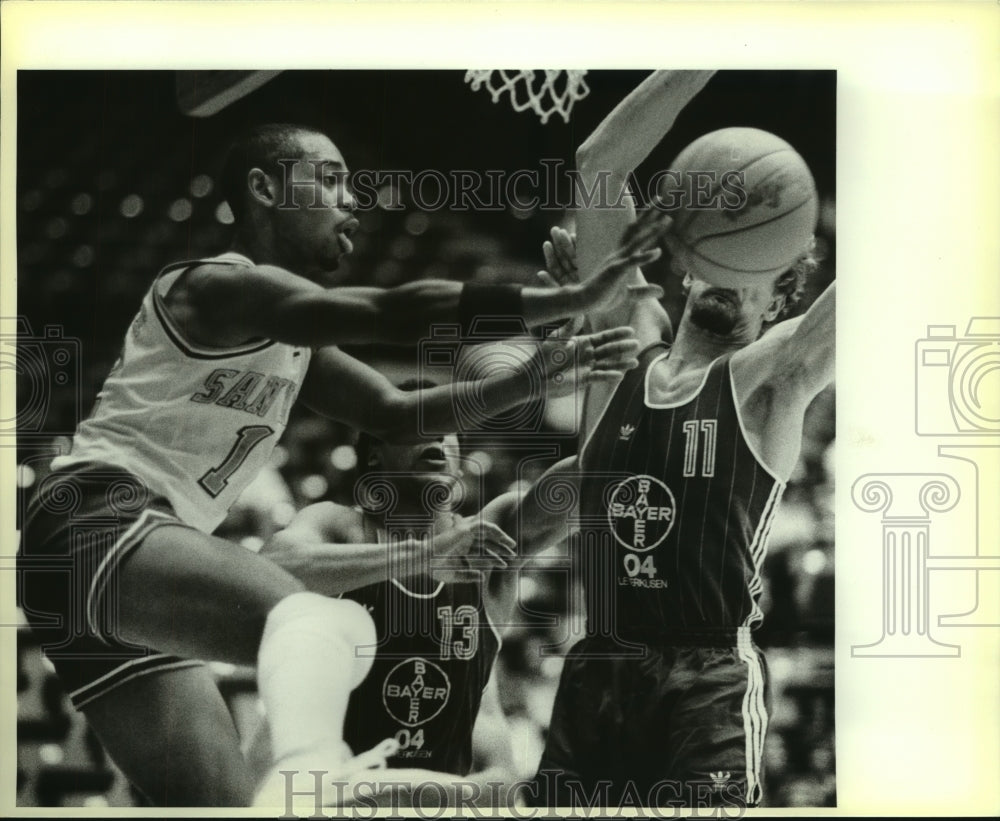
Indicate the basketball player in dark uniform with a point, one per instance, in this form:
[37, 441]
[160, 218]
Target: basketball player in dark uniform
[437, 624]
[663, 703]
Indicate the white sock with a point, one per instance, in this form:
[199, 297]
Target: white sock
[306, 669]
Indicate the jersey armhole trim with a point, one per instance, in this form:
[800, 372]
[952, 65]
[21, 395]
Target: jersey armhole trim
[414, 595]
[192, 350]
[743, 430]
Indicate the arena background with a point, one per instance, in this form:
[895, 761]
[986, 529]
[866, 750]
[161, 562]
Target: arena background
[113, 182]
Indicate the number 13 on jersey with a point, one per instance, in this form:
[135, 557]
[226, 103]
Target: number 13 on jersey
[466, 618]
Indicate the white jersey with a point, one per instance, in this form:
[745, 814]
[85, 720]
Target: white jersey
[195, 424]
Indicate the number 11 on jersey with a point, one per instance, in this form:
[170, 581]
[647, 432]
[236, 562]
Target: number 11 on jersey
[706, 428]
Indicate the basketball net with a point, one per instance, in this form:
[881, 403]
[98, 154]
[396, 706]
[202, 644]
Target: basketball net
[544, 92]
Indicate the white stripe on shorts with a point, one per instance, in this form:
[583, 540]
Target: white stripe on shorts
[754, 714]
[126, 542]
[127, 671]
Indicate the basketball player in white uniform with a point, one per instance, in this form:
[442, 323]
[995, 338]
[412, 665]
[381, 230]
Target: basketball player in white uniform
[119, 573]
[685, 721]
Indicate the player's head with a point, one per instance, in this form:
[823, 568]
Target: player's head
[286, 185]
[744, 313]
[428, 459]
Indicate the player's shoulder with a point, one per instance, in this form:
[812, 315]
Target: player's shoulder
[759, 356]
[206, 279]
[218, 272]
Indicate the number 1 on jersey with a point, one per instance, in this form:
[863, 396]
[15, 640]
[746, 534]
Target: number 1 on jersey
[214, 481]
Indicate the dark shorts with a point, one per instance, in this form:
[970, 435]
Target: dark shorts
[682, 727]
[79, 526]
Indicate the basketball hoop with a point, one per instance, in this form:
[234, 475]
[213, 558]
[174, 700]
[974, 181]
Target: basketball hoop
[544, 92]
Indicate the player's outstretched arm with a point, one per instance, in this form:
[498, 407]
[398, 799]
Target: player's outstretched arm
[228, 304]
[321, 547]
[529, 518]
[605, 212]
[776, 377]
[647, 317]
[343, 388]
[604, 162]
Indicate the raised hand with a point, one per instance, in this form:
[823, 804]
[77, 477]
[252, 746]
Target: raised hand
[471, 544]
[560, 265]
[607, 288]
[560, 258]
[598, 357]
[650, 222]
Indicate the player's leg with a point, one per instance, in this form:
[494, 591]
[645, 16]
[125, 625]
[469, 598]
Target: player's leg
[171, 734]
[197, 596]
[712, 740]
[570, 773]
[142, 577]
[189, 594]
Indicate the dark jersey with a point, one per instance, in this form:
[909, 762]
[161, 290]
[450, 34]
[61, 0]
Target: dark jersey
[675, 511]
[436, 649]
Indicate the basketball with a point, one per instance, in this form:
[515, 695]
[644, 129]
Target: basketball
[744, 206]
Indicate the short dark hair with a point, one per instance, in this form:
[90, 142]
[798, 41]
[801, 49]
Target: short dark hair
[366, 442]
[258, 147]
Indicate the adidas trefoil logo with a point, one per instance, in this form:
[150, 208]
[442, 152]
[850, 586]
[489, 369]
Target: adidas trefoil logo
[626, 431]
[719, 778]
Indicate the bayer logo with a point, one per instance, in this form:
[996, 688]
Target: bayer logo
[415, 691]
[641, 512]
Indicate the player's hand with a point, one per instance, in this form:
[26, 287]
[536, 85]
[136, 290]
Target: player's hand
[470, 545]
[560, 270]
[652, 220]
[606, 289]
[655, 218]
[599, 357]
[560, 258]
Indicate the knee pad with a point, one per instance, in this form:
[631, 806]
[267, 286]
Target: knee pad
[324, 620]
[358, 631]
